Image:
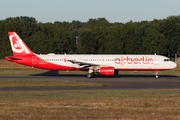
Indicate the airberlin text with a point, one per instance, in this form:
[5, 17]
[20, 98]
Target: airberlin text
[128, 60]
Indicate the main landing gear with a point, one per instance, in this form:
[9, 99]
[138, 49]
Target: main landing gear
[156, 72]
[91, 74]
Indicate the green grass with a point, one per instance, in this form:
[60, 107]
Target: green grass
[94, 104]
[125, 94]
[10, 84]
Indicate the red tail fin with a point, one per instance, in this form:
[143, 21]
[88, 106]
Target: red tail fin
[18, 46]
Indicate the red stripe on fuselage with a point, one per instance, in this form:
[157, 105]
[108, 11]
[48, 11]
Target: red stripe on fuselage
[34, 61]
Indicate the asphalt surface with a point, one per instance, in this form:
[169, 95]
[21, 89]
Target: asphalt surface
[116, 83]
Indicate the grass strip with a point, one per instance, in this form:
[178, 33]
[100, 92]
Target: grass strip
[10, 84]
[100, 104]
[90, 94]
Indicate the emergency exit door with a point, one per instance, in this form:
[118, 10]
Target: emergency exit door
[156, 60]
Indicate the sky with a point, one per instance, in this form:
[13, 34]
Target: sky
[68, 10]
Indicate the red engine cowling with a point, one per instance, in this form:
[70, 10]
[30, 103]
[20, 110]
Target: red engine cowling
[108, 71]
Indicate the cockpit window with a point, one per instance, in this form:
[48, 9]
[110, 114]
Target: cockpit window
[165, 60]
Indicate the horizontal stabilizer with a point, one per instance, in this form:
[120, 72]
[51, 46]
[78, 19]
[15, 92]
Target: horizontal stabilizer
[13, 58]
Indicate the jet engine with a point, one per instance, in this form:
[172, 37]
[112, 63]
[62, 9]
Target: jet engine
[108, 71]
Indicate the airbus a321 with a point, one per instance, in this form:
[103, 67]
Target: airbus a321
[103, 64]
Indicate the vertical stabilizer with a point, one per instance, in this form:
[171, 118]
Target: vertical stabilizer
[18, 46]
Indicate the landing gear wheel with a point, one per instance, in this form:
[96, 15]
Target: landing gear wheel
[89, 75]
[156, 74]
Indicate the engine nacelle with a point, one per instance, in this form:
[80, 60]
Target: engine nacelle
[108, 71]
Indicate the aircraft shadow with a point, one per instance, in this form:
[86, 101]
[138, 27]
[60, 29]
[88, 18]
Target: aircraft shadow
[56, 74]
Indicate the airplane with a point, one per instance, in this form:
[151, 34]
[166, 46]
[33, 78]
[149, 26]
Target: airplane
[104, 64]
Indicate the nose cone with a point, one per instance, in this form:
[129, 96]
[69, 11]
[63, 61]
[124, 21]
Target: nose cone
[174, 65]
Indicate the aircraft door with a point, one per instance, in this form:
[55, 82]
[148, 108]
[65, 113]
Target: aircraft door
[34, 60]
[156, 60]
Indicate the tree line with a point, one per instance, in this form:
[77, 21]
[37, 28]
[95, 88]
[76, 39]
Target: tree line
[96, 36]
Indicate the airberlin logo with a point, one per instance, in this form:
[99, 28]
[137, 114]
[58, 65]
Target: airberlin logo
[128, 60]
[17, 45]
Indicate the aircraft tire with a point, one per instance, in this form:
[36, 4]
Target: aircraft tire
[89, 75]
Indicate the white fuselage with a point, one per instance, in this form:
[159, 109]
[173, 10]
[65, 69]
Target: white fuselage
[119, 62]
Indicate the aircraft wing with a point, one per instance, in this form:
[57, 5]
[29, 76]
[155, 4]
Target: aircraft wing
[82, 63]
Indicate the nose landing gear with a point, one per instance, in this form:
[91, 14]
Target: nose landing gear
[156, 72]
